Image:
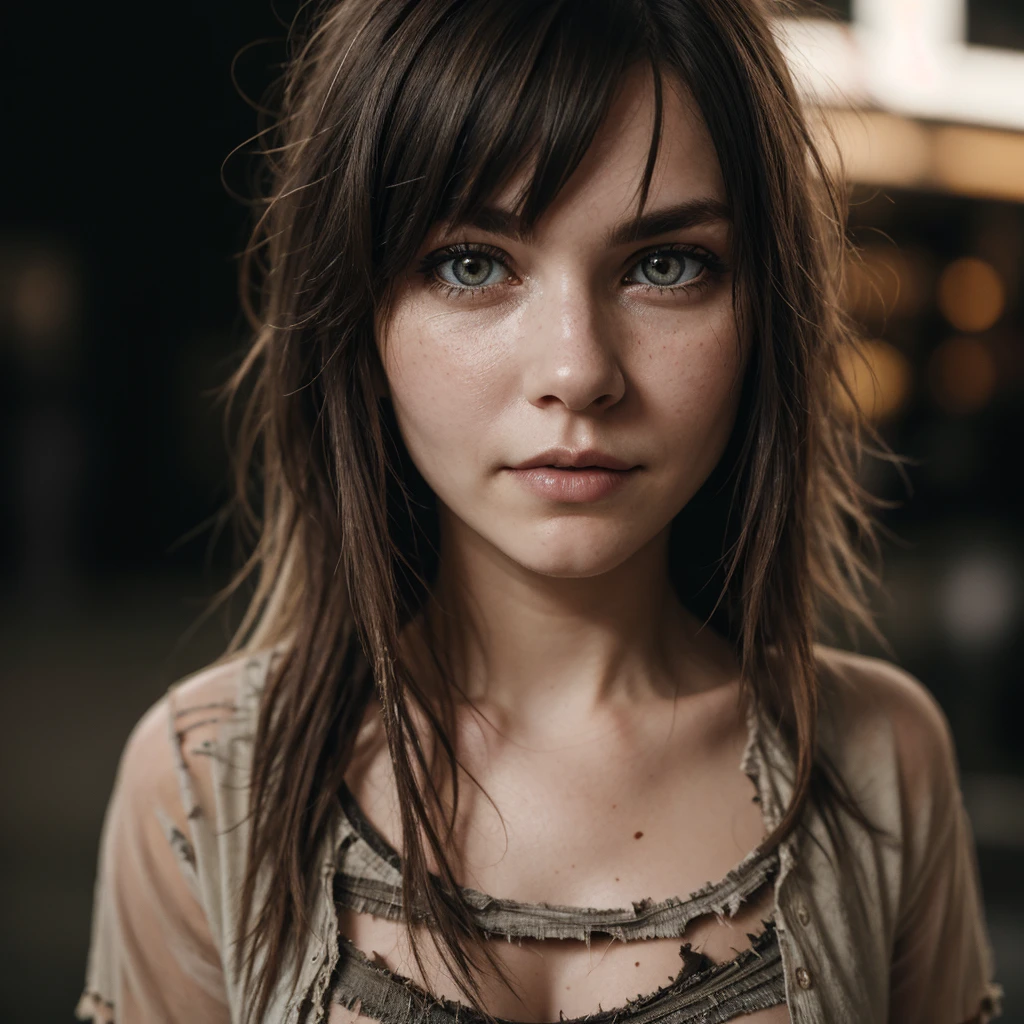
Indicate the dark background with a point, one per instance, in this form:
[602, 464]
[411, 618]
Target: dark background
[118, 314]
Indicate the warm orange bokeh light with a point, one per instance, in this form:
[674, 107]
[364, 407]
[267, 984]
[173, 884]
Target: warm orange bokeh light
[879, 376]
[971, 294]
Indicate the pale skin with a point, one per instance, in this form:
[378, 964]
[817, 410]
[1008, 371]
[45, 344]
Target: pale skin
[598, 715]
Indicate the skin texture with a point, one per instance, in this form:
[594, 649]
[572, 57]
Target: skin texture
[597, 714]
[563, 351]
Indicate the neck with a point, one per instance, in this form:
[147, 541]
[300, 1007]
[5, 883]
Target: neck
[542, 650]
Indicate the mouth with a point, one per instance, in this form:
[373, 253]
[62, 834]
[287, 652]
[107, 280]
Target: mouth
[586, 459]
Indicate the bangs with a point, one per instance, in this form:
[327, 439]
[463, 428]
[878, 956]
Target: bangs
[488, 91]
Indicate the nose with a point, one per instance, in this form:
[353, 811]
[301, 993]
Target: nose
[571, 355]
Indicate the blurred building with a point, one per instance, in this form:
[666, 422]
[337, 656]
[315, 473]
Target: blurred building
[922, 104]
[925, 115]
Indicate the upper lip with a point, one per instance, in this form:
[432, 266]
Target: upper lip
[566, 458]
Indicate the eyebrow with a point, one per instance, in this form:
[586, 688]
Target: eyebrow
[688, 214]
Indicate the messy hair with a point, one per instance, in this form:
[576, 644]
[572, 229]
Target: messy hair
[394, 115]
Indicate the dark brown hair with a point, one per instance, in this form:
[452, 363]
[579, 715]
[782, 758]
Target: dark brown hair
[395, 114]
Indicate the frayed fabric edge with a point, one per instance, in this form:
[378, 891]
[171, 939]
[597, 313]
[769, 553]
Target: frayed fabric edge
[92, 1006]
[991, 1004]
[643, 920]
[710, 994]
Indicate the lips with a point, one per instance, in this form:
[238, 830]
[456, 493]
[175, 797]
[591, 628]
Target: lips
[567, 458]
[573, 484]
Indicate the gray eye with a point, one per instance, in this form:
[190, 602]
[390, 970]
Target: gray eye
[665, 269]
[471, 270]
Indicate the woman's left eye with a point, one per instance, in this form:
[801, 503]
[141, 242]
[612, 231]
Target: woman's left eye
[667, 269]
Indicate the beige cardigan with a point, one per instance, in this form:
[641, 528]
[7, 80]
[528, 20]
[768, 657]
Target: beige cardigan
[871, 930]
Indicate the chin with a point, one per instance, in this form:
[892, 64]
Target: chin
[572, 550]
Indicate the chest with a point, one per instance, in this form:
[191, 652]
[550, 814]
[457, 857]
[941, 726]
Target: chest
[598, 826]
[623, 812]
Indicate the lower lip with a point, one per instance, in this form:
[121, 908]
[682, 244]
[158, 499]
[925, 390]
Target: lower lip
[573, 484]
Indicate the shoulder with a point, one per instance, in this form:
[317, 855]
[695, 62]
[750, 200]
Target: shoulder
[195, 705]
[169, 756]
[875, 714]
[867, 687]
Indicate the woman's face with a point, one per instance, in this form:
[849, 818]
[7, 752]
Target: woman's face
[578, 338]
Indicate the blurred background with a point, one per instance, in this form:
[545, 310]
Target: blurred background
[118, 314]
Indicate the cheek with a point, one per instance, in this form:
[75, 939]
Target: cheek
[445, 381]
[692, 374]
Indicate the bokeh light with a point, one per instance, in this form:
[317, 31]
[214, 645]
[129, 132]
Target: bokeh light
[879, 377]
[44, 296]
[979, 598]
[971, 294]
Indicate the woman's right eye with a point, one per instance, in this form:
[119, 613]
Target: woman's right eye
[467, 269]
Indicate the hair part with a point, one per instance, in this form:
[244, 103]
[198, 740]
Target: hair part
[396, 114]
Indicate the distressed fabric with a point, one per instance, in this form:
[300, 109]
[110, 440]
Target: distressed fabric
[869, 928]
[369, 880]
[701, 992]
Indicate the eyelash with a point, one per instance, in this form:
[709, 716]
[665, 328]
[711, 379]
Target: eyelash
[713, 268]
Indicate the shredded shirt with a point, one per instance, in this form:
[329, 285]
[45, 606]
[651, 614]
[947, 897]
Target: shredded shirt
[368, 880]
[865, 926]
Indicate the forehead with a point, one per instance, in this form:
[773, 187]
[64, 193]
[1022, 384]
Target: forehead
[605, 187]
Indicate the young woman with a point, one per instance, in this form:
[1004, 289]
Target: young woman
[529, 722]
